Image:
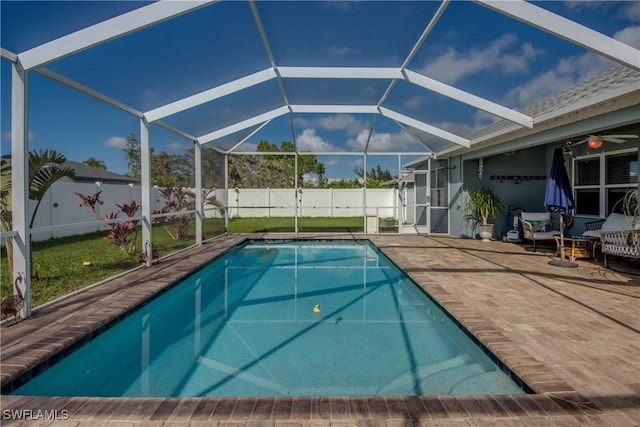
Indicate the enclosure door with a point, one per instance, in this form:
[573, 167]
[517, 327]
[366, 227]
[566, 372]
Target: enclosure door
[422, 203]
[439, 206]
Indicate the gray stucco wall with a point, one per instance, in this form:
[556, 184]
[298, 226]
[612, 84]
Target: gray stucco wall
[524, 191]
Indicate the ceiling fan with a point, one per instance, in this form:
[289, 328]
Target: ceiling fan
[595, 141]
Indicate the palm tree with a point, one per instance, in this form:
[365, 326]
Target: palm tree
[45, 168]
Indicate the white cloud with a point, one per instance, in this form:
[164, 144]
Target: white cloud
[116, 142]
[630, 35]
[568, 72]
[581, 4]
[346, 122]
[414, 102]
[309, 140]
[540, 87]
[452, 66]
[629, 10]
[482, 118]
[381, 142]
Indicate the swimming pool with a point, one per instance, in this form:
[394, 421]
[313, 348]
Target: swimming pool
[282, 319]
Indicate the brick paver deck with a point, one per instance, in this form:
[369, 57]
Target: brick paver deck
[573, 335]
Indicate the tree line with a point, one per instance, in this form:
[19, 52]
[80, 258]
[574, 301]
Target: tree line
[245, 170]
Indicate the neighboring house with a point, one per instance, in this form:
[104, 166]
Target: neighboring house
[60, 207]
[89, 174]
[516, 160]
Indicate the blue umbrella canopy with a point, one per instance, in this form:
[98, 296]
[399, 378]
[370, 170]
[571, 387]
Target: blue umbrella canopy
[559, 197]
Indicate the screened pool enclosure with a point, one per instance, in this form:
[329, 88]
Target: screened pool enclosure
[272, 109]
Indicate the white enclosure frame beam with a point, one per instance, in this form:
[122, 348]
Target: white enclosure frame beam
[246, 138]
[356, 109]
[175, 130]
[209, 95]
[145, 187]
[468, 98]
[336, 109]
[105, 31]
[256, 120]
[197, 151]
[87, 91]
[340, 73]
[415, 137]
[8, 55]
[425, 127]
[272, 61]
[20, 185]
[414, 50]
[226, 193]
[567, 29]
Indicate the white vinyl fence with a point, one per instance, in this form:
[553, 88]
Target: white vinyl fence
[60, 213]
[244, 203]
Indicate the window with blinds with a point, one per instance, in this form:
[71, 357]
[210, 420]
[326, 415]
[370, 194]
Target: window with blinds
[588, 172]
[622, 169]
[601, 181]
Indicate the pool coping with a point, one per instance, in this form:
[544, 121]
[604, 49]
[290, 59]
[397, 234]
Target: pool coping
[554, 397]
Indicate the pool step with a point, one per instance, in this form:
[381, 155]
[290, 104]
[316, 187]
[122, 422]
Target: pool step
[408, 381]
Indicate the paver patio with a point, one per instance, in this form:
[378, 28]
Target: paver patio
[573, 335]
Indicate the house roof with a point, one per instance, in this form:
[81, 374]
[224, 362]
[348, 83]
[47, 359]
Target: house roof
[86, 173]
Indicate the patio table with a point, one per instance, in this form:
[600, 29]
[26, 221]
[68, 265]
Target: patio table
[576, 247]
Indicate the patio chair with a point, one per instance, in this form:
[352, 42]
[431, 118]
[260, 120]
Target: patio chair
[537, 226]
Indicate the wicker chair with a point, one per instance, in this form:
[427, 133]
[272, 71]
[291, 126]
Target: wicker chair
[538, 226]
[616, 238]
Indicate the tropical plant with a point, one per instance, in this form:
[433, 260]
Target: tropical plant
[123, 234]
[45, 168]
[482, 205]
[176, 200]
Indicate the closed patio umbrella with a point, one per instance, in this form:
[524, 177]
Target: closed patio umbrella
[559, 198]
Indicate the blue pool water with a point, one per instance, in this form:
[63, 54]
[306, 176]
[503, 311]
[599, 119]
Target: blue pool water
[245, 326]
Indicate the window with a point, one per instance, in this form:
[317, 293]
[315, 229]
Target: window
[601, 181]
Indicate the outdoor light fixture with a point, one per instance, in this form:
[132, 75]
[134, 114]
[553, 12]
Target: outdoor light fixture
[595, 141]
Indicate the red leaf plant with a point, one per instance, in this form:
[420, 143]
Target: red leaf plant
[89, 201]
[176, 200]
[122, 234]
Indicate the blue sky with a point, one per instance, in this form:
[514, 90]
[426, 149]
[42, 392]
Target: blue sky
[471, 47]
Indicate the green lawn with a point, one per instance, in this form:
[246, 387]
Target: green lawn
[59, 263]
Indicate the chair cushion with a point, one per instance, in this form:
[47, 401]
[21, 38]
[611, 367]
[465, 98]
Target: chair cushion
[615, 222]
[541, 225]
[545, 235]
